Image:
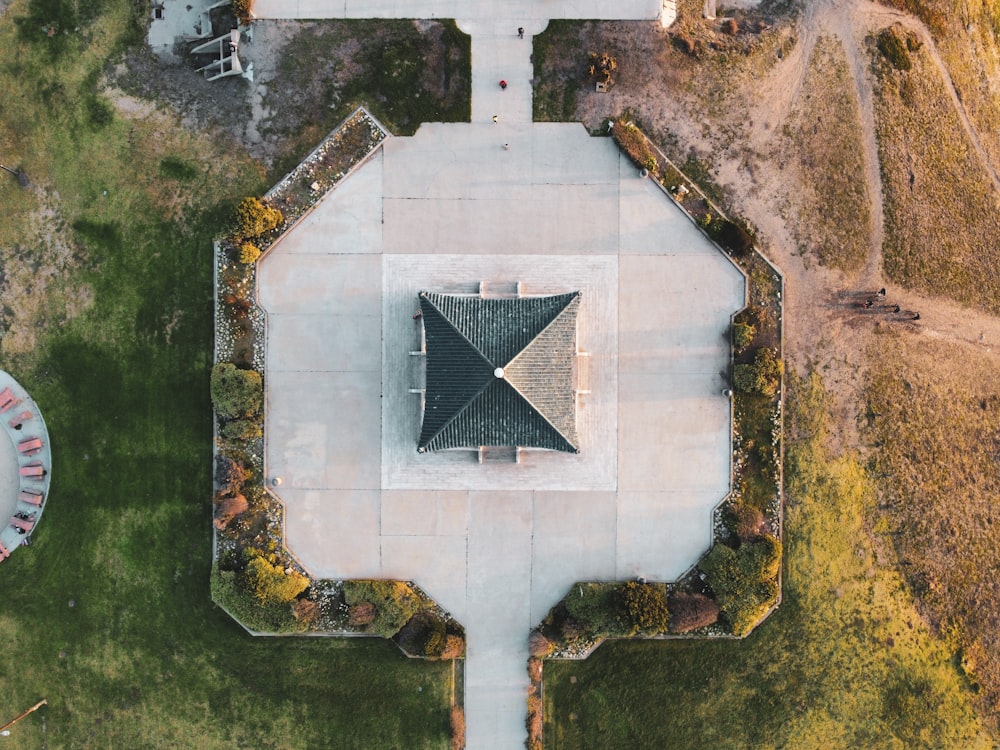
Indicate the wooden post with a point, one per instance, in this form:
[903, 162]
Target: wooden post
[11, 723]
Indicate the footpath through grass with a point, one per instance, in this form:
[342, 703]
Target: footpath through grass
[107, 615]
[845, 662]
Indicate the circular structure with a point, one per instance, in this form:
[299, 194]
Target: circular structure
[498, 373]
[25, 465]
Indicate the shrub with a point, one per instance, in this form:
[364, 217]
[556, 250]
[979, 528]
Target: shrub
[601, 67]
[762, 376]
[249, 253]
[735, 238]
[394, 601]
[270, 584]
[539, 645]
[730, 26]
[599, 610]
[534, 719]
[241, 429]
[454, 647]
[228, 508]
[306, 611]
[743, 334]
[894, 49]
[457, 721]
[236, 393]
[361, 614]
[254, 218]
[228, 592]
[535, 670]
[634, 144]
[243, 10]
[229, 475]
[425, 634]
[691, 611]
[646, 606]
[743, 580]
[746, 521]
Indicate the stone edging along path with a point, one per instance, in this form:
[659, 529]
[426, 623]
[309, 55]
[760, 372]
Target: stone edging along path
[31, 451]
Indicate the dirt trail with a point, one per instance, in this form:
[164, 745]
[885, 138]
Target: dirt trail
[840, 19]
[872, 14]
[824, 321]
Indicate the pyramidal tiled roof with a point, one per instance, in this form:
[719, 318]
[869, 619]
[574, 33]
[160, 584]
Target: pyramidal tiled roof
[499, 372]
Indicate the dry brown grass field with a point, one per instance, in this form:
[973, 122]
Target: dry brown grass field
[832, 210]
[940, 203]
[936, 442]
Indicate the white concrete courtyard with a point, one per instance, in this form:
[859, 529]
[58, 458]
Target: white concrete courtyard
[446, 210]
[498, 544]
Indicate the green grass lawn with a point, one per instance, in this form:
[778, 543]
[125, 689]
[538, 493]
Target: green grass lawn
[120, 367]
[845, 662]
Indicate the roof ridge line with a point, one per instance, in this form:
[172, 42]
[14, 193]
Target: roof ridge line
[520, 393]
[424, 296]
[455, 328]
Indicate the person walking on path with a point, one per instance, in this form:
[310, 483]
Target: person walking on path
[496, 118]
[503, 84]
[520, 32]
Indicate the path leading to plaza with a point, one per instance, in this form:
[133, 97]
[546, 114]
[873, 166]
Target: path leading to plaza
[557, 210]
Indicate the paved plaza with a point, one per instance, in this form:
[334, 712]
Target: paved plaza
[451, 210]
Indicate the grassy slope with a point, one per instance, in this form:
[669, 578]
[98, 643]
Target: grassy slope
[936, 425]
[143, 659]
[834, 213]
[844, 663]
[941, 216]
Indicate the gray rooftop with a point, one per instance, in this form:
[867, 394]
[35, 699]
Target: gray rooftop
[499, 372]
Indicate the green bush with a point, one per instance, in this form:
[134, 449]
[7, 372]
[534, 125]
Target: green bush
[743, 580]
[762, 376]
[229, 593]
[271, 584]
[894, 49]
[598, 608]
[249, 253]
[743, 335]
[241, 429]
[646, 606]
[236, 394]
[253, 218]
[395, 603]
[426, 634]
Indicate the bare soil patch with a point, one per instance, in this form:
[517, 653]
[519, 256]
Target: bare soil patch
[307, 77]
